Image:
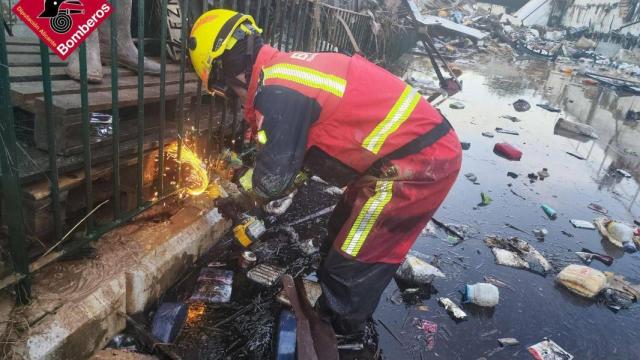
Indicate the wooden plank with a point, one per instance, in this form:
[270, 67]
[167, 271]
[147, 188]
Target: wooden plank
[34, 168]
[101, 101]
[23, 94]
[23, 49]
[13, 40]
[33, 60]
[42, 189]
[34, 73]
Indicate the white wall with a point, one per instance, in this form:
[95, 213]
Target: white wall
[599, 15]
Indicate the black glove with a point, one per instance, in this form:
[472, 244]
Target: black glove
[233, 207]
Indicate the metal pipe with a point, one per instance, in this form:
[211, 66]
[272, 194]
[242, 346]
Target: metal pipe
[274, 27]
[222, 123]
[210, 133]
[86, 134]
[180, 102]
[234, 123]
[51, 140]
[267, 23]
[296, 27]
[115, 121]
[140, 144]
[258, 12]
[11, 180]
[163, 115]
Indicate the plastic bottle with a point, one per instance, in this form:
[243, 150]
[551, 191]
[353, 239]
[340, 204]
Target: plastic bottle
[549, 211]
[481, 294]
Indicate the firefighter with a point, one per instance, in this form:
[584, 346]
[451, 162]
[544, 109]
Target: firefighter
[352, 124]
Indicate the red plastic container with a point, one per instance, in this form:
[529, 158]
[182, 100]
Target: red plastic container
[507, 151]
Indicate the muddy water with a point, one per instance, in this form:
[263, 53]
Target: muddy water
[534, 307]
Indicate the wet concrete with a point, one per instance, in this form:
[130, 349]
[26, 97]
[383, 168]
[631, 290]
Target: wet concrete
[532, 306]
[536, 307]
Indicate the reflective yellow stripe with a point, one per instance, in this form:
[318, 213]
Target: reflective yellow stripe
[367, 217]
[307, 77]
[399, 114]
[262, 137]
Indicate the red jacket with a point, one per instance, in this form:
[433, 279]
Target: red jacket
[355, 111]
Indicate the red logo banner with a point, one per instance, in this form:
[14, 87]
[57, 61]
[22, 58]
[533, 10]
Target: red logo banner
[63, 24]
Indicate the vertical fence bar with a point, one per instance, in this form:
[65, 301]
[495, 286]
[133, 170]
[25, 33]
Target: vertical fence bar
[259, 12]
[267, 23]
[183, 59]
[11, 191]
[140, 145]
[222, 123]
[51, 140]
[86, 134]
[163, 115]
[234, 123]
[115, 114]
[198, 111]
[210, 132]
[283, 21]
[288, 23]
[247, 7]
[298, 35]
[274, 25]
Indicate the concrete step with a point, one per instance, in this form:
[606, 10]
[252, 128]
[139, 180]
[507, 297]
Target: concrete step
[76, 303]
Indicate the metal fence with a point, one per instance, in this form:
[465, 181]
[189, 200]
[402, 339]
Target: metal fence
[304, 25]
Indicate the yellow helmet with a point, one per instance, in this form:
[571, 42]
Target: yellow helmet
[213, 33]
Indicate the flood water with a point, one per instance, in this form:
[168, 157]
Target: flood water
[532, 307]
[535, 307]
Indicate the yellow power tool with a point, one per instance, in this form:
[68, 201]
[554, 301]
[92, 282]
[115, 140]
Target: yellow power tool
[249, 230]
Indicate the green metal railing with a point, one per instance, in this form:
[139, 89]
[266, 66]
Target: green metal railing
[303, 25]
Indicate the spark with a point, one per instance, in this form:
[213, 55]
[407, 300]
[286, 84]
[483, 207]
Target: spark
[197, 179]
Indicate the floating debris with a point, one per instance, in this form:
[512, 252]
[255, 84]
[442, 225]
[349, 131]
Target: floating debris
[543, 174]
[481, 294]
[582, 224]
[311, 288]
[280, 206]
[512, 175]
[453, 309]
[512, 118]
[587, 256]
[619, 234]
[540, 234]
[488, 134]
[168, 321]
[597, 208]
[521, 105]
[551, 214]
[213, 286]
[417, 271]
[506, 131]
[472, 177]
[549, 107]
[549, 350]
[517, 253]
[508, 342]
[430, 330]
[334, 190]
[265, 274]
[507, 151]
[465, 145]
[486, 199]
[456, 105]
[582, 280]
